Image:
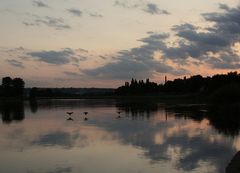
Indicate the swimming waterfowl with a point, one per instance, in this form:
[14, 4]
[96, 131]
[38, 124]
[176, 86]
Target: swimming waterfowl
[69, 113]
[70, 119]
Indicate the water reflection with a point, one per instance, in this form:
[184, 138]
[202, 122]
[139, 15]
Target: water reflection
[137, 109]
[188, 111]
[150, 137]
[55, 139]
[187, 143]
[33, 105]
[12, 111]
[225, 118]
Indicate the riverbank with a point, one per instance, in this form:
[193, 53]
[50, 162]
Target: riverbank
[190, 97]
[234, 165]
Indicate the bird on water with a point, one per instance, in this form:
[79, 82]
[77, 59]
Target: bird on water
[85, 113]
[70, 119]
[118, 117]
[69, 113]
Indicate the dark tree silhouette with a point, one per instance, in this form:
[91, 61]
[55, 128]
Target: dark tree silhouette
[12, 87]
[33, 93]
[137, 88]
[33, 105]
[204, 86]
[18, 86]
[7, 86]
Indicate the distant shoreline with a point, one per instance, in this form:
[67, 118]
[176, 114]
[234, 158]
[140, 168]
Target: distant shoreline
[192, 97]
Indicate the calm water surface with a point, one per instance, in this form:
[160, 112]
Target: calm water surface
[150, 137]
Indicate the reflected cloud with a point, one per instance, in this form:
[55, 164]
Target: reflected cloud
[57, 170]
[173, 135]
[196, 142]
[63, 139]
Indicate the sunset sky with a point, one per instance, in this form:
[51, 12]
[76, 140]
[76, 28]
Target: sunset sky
[102, 43]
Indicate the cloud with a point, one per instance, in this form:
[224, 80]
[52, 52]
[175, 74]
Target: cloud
[75, 12]
[154, 9]
[53, 57]
[126, 4]
[29, 24]
[150, 8]
[18, 49]
[72, 74]
[15, 63]
[211, 46]
[126, 68]
[38, 3]
[59, 57]
[95, 15]
[199, 44]
[56, 23]
[79, 13]
[217, 39]
[82, 50]
[137, 62]
[224, 61]
[224, 6]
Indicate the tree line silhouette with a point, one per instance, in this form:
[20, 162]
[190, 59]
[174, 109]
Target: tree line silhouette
[227, 84]
[221, 88]
[12, 87]
[138, 88]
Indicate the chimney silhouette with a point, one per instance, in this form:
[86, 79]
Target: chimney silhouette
[165, 79]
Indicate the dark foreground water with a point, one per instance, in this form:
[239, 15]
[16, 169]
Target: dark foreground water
[150, 137]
